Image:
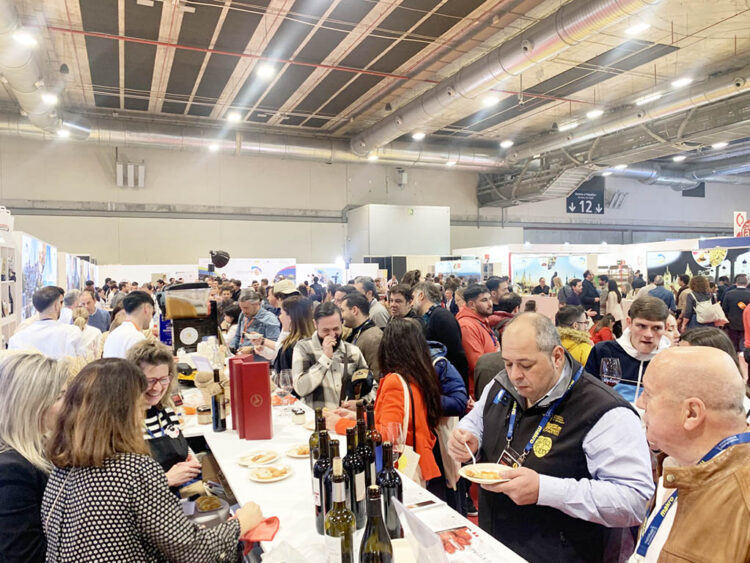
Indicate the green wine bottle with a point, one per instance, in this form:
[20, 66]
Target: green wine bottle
[376, 544]
[320, 424]
[340, 523]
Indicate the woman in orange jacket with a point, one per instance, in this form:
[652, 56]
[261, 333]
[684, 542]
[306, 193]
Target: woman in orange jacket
[404, 352]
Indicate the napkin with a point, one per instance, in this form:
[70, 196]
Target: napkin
[265, 531]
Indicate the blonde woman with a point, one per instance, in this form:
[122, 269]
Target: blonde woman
[91, 335]
[32, 389]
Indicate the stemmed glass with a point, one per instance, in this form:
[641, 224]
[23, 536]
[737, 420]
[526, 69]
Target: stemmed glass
[394, 433]
[610, 371]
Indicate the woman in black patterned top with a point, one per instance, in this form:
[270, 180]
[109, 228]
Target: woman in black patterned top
[161, 428]
[107, 499]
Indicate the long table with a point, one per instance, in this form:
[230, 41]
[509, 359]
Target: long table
[291, 499]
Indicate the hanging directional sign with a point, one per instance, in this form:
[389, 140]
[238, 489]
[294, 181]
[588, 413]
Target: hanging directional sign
[588, 199]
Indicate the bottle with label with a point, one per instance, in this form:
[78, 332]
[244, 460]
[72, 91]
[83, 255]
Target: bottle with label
[315, 436]
[365, 452]
[218, 411]
[360, 410]
[390, 484]
[376, 544]
[321, 466]
[374, 437]
[340, 523]
[355, 469]
[333, 448]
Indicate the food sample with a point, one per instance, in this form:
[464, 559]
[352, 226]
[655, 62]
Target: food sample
[207, 504]
[258, 458]
[267, 473]
[483, 474]
[302, 449]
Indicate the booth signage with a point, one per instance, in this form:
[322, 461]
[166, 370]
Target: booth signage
[587, 200]
[741, 224]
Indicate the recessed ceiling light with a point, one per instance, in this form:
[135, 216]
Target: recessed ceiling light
[24, 38]
[372, 157]
[595, 113]
[537, 156]
[567, 126]
[682, 82]
[620, 167]
[648, 99]
[450, 163]
[234, 116]
[506, 144]
[489, 101]
[607, 173]
[679, 158]
[527, 243]
[418, 136]
[637, 28]
[213, 147]
[49, 99]
[719, 145]
[266, 71]
[63, 133]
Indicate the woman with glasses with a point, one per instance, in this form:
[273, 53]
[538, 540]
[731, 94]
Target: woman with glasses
[161, 427]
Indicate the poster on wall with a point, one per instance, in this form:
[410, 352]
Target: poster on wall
[247, 269]
[460, 268]
[711, 262]
[39, 267]
[326, 273]
[525, 270]
[72, 272]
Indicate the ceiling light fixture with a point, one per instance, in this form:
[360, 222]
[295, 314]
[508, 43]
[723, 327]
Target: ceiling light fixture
[607, 173]
[506, 144]
[234, 116]
[620, 166]
[648, 99]
[372, 157]
[213, 147]
[63, 133]
[49, 99]
[537, 156]
[489, 101]
[637, 28]
[450, 163]
[418, 136]
[679, 158]
[595, 114]
[266, 71]
[567, 126]
[24, 38]
[719, 145]
[682, 82]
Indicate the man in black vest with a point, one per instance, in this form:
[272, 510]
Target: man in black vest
[583, 467]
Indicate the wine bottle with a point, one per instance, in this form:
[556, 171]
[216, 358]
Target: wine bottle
[376, 544]
[340, 523]
[360, 410]
[355, 469]
[390, 484]
[315, 436]
[376, 440]
[218, 411]
[321, 466]
[365, 453]
[333, 448]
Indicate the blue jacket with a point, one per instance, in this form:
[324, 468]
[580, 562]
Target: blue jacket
[454, 396]
[263, 322]
[665, 295]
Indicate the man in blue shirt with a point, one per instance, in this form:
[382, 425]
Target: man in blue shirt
[254, 319]
[98, 318]
[663, 293]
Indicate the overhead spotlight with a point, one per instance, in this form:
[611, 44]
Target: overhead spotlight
[63, 133]
[23, 37]
[648, 99]
[537, 156]
[527, 244]
[418, 136]
[607, 173]
[219, 258]
[719, 145]
[620, 166]
[566, 243]
[595, 114]
[49, 99]
[266, 71]
[682, 82]
[372, 157]
[213, 147]
[637, 28]
[679, 158]
[450, 163]
[234, 116]
[604, 243]
[506, 144]
[489, 101]
[567, 126]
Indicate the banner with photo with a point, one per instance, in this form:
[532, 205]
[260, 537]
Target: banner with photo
[248, 269]
[326, 273]
[525, 269]
[460, 268]
[39, 269]
[710, 262]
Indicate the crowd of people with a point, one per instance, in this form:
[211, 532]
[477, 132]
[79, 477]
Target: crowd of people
[623, 429]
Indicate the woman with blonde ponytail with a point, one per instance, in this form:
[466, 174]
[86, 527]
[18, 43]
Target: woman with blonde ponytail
[91, 335]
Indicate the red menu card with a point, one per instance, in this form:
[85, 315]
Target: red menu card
[253, 400]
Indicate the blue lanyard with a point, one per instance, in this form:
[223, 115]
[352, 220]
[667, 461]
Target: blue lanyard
[648, 536]
[545, 419]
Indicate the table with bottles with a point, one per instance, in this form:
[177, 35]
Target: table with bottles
[291, 499]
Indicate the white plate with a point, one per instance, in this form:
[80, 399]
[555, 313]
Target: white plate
[292, 452]
[245, 460]
[484, 467]
[255, 471]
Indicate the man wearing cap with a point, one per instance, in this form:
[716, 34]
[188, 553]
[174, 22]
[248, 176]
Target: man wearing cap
[254, 319]
[280, 291]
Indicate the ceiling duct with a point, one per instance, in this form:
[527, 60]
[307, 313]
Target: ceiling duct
[572, 23]
[163, 136]
[687, 178]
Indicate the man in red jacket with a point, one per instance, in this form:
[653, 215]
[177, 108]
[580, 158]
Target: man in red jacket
[476, 334]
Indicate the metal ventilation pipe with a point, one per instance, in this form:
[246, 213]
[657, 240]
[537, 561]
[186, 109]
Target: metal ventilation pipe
[697, 95]
[162, 136]
[680, 179]
[572, 23]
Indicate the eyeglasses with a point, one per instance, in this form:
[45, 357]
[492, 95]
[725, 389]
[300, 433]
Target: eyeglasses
[164, 381]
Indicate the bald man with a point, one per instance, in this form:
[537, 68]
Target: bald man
[692, 397]
[583, 471]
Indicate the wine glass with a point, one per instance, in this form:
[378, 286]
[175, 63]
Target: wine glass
[394, 433]
[285, 386]
[610, 371]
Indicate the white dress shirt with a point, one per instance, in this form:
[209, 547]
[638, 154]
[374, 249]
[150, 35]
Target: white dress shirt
[122, 339]
[51, 338]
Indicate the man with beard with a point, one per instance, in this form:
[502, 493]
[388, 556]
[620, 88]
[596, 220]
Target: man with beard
[322, 362]
[476, 335]
[399, 304]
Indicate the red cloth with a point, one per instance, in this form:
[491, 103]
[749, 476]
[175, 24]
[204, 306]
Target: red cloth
[601, 336]
[265, 531]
